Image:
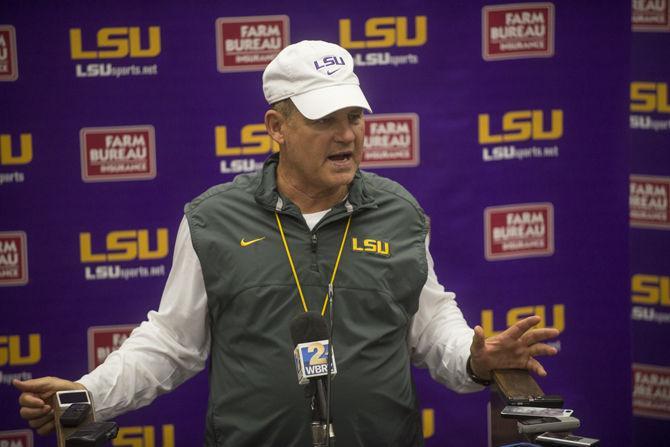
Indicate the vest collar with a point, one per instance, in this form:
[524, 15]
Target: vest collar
[360, 195]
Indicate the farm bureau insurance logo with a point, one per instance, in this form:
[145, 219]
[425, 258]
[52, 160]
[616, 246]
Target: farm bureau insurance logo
[11, 157]
[384, 33]
[115, 43]
[123, 246]
[391, 140]
[13, 258]
[519, 231]
[650, 15]
[518, 31]
[520, 126]
[9, 70]
[249, 43]
[16, 438]
[652, 98]
[118, 153]
[103, 340]
[649, 202]
[651, 391]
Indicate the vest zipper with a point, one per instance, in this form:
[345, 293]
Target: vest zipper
[313, 246]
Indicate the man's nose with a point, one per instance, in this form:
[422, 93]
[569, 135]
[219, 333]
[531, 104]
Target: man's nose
[344, 133]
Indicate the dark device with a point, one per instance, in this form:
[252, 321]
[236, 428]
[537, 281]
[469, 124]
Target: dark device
[566, 439]
[75, 414]
[94, 434]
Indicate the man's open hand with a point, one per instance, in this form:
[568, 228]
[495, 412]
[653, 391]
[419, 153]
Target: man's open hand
[516, 347]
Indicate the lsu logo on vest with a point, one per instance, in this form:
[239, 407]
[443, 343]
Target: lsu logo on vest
[519, 313]
[13, 258]
[118, 153]
[9, 70]
[518, 31]
[103, 340]
[253, 141]
[249, 43]
[651, 15]
[16, 438]
[145, 436]
[373, 246]
[13, 350]
[384, 33]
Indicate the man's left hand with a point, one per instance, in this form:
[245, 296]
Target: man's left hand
[515, 347]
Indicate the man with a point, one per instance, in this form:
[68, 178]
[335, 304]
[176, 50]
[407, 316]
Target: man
[253, 253]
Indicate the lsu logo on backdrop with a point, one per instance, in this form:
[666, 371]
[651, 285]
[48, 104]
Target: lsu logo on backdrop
[114, 43]
[103, 340]
[650, 295]
[9, 70]
[651, 391]
[118, 153]
[519, 231]
[384, 33]
[13, 350]
[650, 15]
[13, 258]
[16, 438]
[650, 102]
[533, 127]
[124, 246]
[23, 155]
[145, 436]
[391, 140]
[649, 202]
[249, 43]
[518, 31]
[253, 141]
[519, 313]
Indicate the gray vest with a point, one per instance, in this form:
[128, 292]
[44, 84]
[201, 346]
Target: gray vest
[255, 399]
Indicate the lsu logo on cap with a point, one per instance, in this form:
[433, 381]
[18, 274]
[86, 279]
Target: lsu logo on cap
[649, 202]
[103, 340]
[517, 31]
[519, 231]
[311, 360]
[13, 258]
[16, 438]
[391, 140]
[329, 61]
[650, 15]
[118, 153]
[249, 43]
[9, 70]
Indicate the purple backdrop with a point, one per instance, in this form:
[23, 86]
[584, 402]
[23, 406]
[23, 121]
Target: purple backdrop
[509, 123]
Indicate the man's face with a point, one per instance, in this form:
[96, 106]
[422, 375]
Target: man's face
[322, 155]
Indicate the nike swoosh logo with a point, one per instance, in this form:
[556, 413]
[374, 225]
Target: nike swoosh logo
[334, 71]
[244, 243]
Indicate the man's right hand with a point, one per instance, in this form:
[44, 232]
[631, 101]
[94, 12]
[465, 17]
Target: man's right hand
[36, 400]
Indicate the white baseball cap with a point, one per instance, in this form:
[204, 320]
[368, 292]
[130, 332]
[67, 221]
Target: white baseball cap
[318, 77]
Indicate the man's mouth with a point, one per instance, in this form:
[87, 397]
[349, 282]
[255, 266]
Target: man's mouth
[342, 156]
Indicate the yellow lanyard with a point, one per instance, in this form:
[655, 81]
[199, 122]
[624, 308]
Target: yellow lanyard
[295, 274]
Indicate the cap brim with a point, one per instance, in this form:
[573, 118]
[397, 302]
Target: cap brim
[318, 103]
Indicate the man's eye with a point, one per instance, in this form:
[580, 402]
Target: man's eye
[355, 117]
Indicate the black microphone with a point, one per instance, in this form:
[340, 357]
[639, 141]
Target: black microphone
[309, 332]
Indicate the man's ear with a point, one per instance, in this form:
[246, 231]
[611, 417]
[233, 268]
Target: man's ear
[275, 124]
